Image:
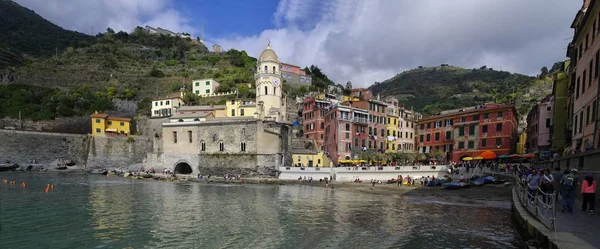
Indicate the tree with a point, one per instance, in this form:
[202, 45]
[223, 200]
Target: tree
[244, 91]
[348, 85]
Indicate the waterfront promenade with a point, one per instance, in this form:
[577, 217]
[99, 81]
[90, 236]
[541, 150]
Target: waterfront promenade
[572, 229]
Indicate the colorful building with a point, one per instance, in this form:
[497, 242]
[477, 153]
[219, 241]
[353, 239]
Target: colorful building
[539, 121]
[521, 144]
[218, 111]
[240, 108]
[559, 132]
[584, 54]
[294, 75]
[105, 125]
[377, 121]
[407, 123]
[313, 119]
[204, 86]
[345, 132]
[392, 132]
[469, 131]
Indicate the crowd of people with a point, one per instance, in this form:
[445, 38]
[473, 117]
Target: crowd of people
[567, 184]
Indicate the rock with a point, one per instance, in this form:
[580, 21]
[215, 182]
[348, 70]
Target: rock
[126, 174]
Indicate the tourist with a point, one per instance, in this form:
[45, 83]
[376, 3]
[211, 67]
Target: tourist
[557, 174]
[399, 180]
[533, 181]
[588, 191]
[568, 187]
[547, 186]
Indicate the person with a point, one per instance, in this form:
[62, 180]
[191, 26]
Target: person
[568, 187]
[588, 191]
[462, 178]
[533, 181]
[557, 174]
[547, 186]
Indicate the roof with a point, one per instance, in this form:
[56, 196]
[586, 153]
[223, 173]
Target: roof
[191, 115]
[170, 96]
[99, 115]
[268, 55]
[201, 107]
[119, 119]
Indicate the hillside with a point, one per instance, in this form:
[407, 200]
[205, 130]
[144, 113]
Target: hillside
[25, 31]
[433, 89]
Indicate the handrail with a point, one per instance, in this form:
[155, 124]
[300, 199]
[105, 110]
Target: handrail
[531, 200]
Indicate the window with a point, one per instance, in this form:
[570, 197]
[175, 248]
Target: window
[109, 122]
[422, 126]
[597, 63]
[347, 127]
[461, 145]
[428, 125]
[208, 91]
[370, 130]
[233, 112]
[174, 137]
[590, 75]
[548, 108]
[499, 114]
[375, 132]
[475, 117]
[421, 138]
[168, 102]
[241, 112]
[356, 142]
[581, 122]
[583, 82]
[587, 38]
[499, 127]
[587, 115]
[221, 146]
[448, 135]
[575, 125]
[243, 146]
[461, 131]
[382, 132]
[484, 129]
[122, 123]
[428, 137]
[97, 121]
[208, 83]
[388, 132]
[471, 144]
[577, 88]
[547, 122]
[498, 141]
[472, 130]
[197, 91]
[98, 130]
[266, 90]
[156, 103]
[483, 142]
[393, 146]
[594, 110]
[463, 119]
[486, 115]
[437, 136]
[322, 125]
[347, 135]
[197, 83]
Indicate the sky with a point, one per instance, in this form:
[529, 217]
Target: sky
[350, 40]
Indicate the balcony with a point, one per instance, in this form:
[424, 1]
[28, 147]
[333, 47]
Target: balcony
[361, 120]
[346, 118]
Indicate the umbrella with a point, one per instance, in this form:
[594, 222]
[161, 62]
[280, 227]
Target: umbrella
[477, 158]
[488, 154]
[514, 156]
[529, 156]
[467, 158]
[503, 156]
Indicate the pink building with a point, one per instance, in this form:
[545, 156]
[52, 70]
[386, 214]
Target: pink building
[345, 132]
[539, 121]
[313, 116]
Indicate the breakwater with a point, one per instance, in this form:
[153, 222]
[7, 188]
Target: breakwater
[348, 174]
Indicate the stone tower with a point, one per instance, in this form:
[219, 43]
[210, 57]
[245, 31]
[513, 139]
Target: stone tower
[269, 92]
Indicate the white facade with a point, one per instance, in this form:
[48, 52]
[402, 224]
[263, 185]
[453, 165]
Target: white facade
[269, 87]
[165, 107]
[204, 86]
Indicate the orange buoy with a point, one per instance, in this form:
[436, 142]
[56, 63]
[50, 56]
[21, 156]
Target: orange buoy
[24, 184]
[47, 189]
[52, 186]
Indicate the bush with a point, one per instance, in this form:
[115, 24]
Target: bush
[155, 72]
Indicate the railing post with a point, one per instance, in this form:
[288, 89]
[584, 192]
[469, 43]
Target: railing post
[535, 202]
[553, 224]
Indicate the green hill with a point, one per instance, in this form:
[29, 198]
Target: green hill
[433, 89]
[25, 31]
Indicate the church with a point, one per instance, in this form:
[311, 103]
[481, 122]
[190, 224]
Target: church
[252, 145]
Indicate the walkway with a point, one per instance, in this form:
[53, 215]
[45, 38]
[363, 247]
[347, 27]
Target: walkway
[577, 225]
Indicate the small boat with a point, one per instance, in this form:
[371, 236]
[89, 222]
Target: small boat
[105, 172]
[7, 167]
[434, 183]
[452, 185]
[488, 179]
[477, 182]
[464, 184]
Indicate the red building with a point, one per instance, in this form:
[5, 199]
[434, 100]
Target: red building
[377, 122]
[313, 124]
[469, 131]
[345, 131]
[361, 93]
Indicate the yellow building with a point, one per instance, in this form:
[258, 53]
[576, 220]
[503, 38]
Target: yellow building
[392, 132]
[240, 108]
[521, 143]
[103, 124]
[311, 159]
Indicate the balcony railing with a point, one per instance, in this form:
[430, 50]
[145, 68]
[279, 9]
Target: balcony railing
[361, 120]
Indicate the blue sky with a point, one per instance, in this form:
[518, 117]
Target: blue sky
[362, 41]
[229, 17]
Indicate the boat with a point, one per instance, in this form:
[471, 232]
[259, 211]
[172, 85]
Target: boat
[452, 185]
[477, 182]
[488, 179]
[7, 167]
[61, 167]
[434, 183]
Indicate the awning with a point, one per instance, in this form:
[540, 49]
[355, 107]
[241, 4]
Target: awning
[467, 158]
[111, 130]
[477, 158]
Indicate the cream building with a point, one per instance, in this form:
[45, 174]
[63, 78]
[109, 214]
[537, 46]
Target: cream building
[166, 106]
[407, 123]
[204, 86]
[200, 140]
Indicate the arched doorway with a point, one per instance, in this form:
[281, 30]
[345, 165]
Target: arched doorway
[183, 168]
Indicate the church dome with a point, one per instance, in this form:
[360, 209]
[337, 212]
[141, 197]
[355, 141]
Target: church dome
[268, 55]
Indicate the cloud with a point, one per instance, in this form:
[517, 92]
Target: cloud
[98, 15]
[368, 41]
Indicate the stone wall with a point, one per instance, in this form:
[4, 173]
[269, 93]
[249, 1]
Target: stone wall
[23, 146]
[118, 152]
[74, 125]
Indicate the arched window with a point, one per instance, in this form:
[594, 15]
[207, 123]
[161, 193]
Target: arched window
[181, 120]
[221, 146]
[275, 90]
[196, 119]
[243, 146]
[266, 91]
[266, 69]
[202, 146]
[273, 69]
